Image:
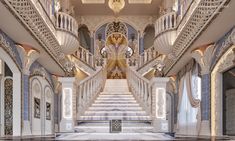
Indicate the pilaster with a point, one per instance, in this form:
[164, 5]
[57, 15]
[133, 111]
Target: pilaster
[27, 55]
[203, 56]
[67, 104]
[159, 104]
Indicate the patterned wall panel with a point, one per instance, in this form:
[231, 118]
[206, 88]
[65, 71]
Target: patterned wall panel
[8, 106]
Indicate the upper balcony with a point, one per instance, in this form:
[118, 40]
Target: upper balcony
[165, 32]
[67, 32]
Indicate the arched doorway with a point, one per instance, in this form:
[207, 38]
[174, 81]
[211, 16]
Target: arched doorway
[42, 106]
[116, 41]
[229, 102]
[10, 77]
[218, 94]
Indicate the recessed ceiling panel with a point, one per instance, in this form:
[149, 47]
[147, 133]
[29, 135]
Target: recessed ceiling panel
[140, 1]
[93, 1]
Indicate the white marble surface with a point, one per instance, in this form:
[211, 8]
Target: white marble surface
[114, 136]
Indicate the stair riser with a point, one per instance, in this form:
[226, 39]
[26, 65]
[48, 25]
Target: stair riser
[113, 117]
[107, 130]
[114, 114]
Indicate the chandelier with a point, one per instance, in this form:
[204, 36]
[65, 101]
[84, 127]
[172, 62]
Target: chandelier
[116, 5]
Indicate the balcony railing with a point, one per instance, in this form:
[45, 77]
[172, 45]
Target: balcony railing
[67, 23]
[86, 57]
[47, 6]
[165, 32]
[165, 23]
[67, 33]
[88, 89]
[144, 58]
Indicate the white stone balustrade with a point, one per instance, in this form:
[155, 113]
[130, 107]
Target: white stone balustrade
[86, 57]
[152, 97]
[88, 89]
[140, 87]
[144, 58]
[165, 22]
[47, 6]
[67, 23]
[165, 32]
[67, 33]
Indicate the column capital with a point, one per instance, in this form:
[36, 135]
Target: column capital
[66, 79]
[28, 55]
[159, 81]
[141, 33]
[203, 56]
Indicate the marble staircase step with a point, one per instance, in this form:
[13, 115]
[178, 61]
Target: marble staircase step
[115, 102]
[116, 105]
[116, 108]
[114, 117]
[115, 114]
[129, 112]
[106, 129]
[116, 98]
[115, 93]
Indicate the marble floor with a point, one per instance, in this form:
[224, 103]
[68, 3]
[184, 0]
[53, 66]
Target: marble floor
[115, 137]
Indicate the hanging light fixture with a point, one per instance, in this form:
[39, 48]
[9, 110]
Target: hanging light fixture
[116, 5]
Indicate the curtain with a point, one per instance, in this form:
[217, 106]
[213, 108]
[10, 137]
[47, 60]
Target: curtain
[189, 102]
[194, 101]
[181, 86]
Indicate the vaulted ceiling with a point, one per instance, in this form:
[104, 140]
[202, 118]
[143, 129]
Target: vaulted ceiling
[100, 7]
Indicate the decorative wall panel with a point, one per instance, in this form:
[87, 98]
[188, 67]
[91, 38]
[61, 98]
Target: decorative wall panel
[36, 107]
[8, 107]
[48, 111]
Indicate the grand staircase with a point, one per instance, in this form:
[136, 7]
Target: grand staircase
[115, 102]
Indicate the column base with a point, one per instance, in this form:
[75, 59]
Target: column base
[205, 128]
[66, 125]
[26, 128]
[160, 125]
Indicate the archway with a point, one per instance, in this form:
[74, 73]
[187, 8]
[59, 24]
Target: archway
[41, 97]
[228, 102]
[10, 93]
[225, 63]
[149, 36]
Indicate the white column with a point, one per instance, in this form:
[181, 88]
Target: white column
[159, 104]
[67, 121]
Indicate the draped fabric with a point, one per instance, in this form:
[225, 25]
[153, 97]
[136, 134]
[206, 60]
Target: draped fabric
[189, 102]
[181, 86]
[194, 101]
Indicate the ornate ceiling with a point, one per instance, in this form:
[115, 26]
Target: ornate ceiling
[100, 7]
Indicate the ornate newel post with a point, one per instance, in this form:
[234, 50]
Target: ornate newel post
[67, 104]
[203, 56]
[158, 84]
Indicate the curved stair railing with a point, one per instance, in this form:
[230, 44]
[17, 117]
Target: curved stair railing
[140, 88]
[86, 57]
[88, 89]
